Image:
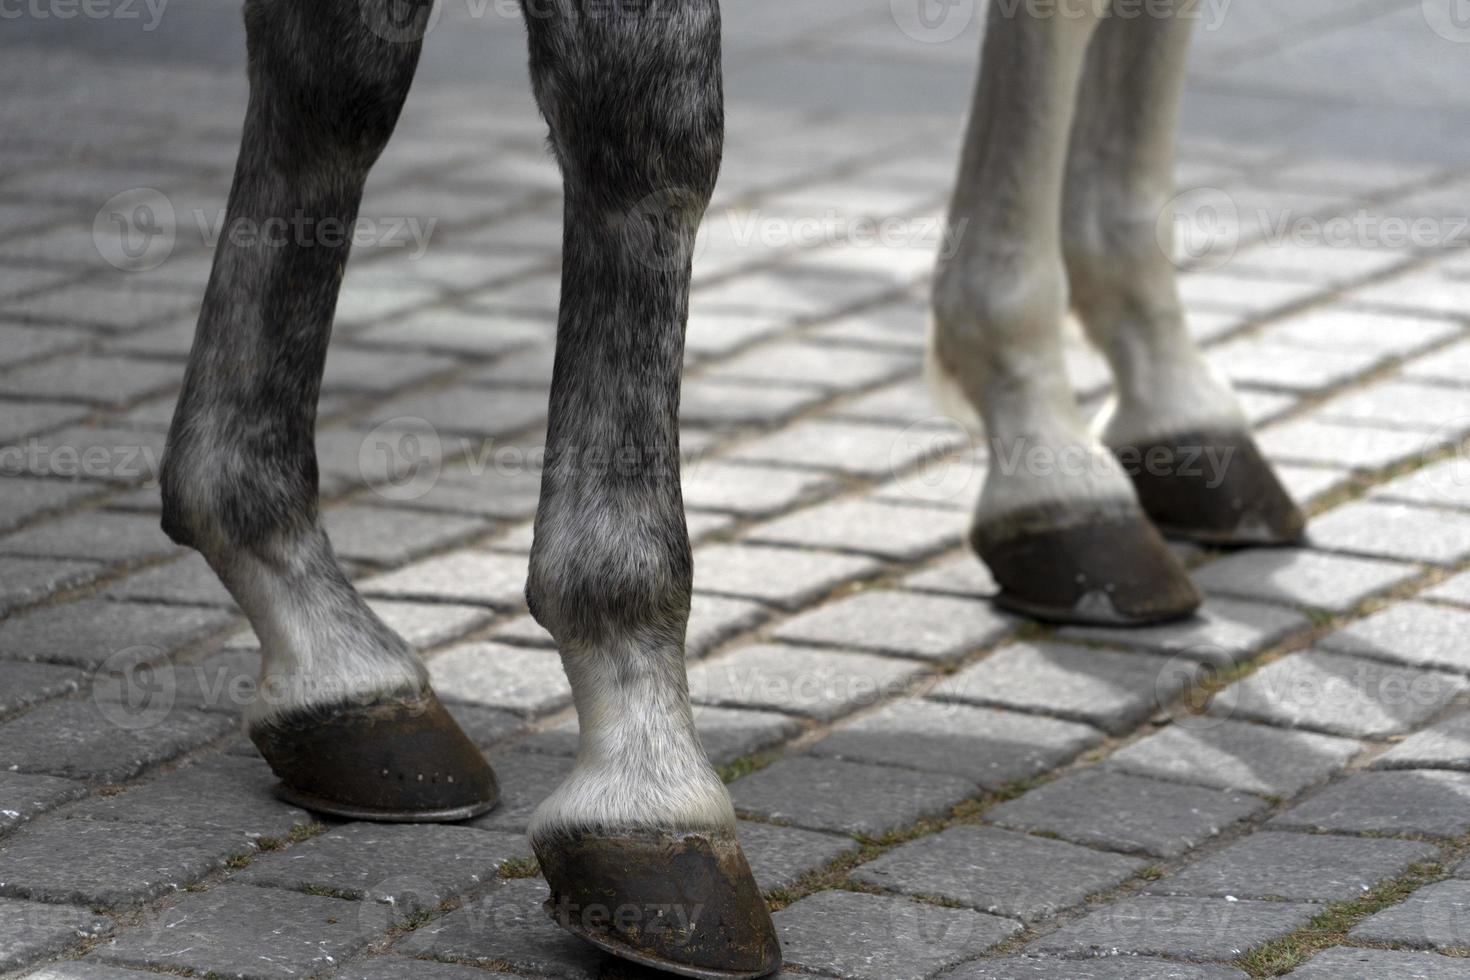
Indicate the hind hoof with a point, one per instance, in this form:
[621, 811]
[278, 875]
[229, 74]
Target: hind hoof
[1104, 571]
[684, 903]
[1215, 488]
[401, 760]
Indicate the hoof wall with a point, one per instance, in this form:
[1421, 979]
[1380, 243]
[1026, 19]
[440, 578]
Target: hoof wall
[1108, 571]
[684, 903]
[402, 760]
[1215, 488]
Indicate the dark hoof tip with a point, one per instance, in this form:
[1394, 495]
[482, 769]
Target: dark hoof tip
[1215, 488]
[400, 760]
[683, 903]
[1104, 571]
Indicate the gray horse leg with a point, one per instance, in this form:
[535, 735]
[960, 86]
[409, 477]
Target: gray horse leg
[345, 715]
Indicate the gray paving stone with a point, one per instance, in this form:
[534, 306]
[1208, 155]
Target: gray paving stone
[1455, 589]
[1297, 867]
[927, 627]
[393, 536]
[97, 742]
[220, 793]
[861, 449]
[809, 365]
[882, 937]
[189, 580]
[24, 419]
[1371, 527]
[1308, 483]
[1193, 928]
[714, 619]
[221, 931]
[1442, 484]
[728, 403]
[525, 680]
[1223, 632]
[1399, 403]
[482, 577]
[23, 497]
[751, 491]
[93, 632]
[1126, 813]
[780, 856]
[1115, 968]
[85, 970]
[378, 372]
[92, 536]
[1252, 361]
[819, 684]
[91, 378]
[102, 453]
[1236, 755]
[464, 410]
[86, 862]
[1110, 689]
[408, 866]
[1381, 964]
[506, 487]
[526, 778]
[1445, 745]
[998, 871]
[1435, 917]
[965, 576]
[1357, 447]
[847, 797]
[1413, 633]
[898, 533]
[485, 726]
[507, 928]
[399, 967]
[1334, 328]
[1339, 695]
[20, 343]
[30, 931]
[991, 747]
[27, 795]
[23, 684]
[1419, 802]
[781, 576]
[1300, 577]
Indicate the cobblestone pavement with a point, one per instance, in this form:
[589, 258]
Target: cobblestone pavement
[927, 787]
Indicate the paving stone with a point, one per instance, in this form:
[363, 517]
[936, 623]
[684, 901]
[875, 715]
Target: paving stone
[860, 449]
[1308, 483]
[1358, 447]
[1107, 688]
[23, 497]
[506, 487]
[714, 619]
[96, 741]
[1435, 917]
[1252, 361]
[220, 793]
[1445, 745]
[91, 378]
[408, 866]
[881, 937]
[377, 372]
[782, 576]
[1297, 867]
[993, 748]
[23, 684]
[813, 683]
[1455, 589]
[1420, 802]
[1413, 633]
[507, 928]
[92, 632]
[100, 453]
[526, 778]
[85, 970]
[965, 576]
[819, 794]
[24, 419]
[1115, 968]
[1339, 695]
[1400, 404]
[1335, 328]
[1370, 527]
[727, 403]
[808, 365]
[1300, 577]
[998, 871]
[1223, 632]
[85, 862]
[898, 533]
[30, 931]
[485, 726]
[189, 580]
[246, 933]
[483, 577]
[1381, 964]
[398, 967]
[927, 627]
[717, 333]
[521, 679]
[26, 795]
[1126, 813]
[1236, 755]
[464, 410]
[1442, 484]
[1447, 365]
[93, 536]
[751, 491]
[1196, 928]
[393, 536]
[780, 856]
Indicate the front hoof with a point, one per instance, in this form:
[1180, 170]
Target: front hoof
[1103, 570]
[402, 760]
[685, 903]
[1215, 488]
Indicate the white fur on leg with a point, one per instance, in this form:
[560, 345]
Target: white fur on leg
[320, 643]
[639, 763]
[1185, 395]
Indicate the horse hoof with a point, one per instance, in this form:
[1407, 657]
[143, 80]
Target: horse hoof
[1215, 488]
[1105, 570]
[402, 760]
[683, 903]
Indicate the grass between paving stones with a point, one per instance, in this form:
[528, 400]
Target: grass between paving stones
[519, 867]
[298, 834]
